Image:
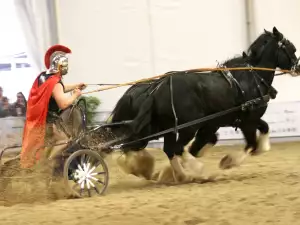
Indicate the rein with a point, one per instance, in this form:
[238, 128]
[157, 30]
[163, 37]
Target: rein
[292, 72]
[279, 74]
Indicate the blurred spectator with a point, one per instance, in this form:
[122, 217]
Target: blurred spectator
[19, 107]
[5, 109]
[1, 97]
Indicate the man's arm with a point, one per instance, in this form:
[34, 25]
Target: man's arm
[71, 87]
[64, 101]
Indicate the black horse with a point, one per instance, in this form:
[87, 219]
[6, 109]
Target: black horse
[196, 95]
[139, 92]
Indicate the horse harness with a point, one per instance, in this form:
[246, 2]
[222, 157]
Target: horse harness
[244, 106]
[259, 102]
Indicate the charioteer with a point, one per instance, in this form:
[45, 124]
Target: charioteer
[47, 98]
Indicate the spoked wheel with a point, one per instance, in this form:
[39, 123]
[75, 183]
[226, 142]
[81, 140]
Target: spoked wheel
[86, 173]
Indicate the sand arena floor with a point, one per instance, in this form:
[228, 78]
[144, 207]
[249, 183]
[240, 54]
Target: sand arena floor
[265, 190]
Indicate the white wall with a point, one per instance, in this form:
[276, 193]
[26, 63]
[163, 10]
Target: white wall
[117, 41]
[110, 41]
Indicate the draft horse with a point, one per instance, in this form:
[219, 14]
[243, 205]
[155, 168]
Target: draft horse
[197, 95]
[139, 92]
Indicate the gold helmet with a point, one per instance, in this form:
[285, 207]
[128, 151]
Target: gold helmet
[56, 59]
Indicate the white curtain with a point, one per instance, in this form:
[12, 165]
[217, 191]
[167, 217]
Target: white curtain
[39, 25]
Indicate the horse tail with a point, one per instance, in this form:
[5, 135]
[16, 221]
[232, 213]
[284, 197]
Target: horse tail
[143, 117]
[122, 107]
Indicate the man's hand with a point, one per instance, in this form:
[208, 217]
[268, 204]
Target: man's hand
[72, 87]
[77, 92]
[81, 86]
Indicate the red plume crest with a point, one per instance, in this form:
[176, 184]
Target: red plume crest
[53, 49]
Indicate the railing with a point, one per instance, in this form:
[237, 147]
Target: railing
[283, 119]
[11, 129]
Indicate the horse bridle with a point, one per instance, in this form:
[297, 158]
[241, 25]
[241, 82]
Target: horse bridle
[282, 45]
[272, 91]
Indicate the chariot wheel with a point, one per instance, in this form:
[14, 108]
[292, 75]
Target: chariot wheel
[86, 174]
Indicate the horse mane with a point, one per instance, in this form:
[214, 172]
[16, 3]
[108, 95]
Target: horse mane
[236, 60]
[257, 46]
[253, 51]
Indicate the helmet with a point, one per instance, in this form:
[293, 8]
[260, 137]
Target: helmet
[56, 59]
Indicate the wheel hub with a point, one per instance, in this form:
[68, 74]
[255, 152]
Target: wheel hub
[84, 175]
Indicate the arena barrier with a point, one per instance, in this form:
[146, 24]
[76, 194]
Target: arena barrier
[282, 117]
[11, 129]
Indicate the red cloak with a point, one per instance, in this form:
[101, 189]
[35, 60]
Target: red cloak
[35, 125]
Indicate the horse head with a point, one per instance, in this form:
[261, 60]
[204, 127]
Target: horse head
[274, 50]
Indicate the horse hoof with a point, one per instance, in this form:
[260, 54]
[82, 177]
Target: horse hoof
[226, 162]
[233, 160]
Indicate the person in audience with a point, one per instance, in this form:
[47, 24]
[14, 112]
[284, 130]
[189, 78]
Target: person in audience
[5, 109]
[19, 107]
[1, 97]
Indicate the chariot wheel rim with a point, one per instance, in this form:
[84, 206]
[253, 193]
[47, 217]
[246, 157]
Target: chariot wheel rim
[86, 174]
